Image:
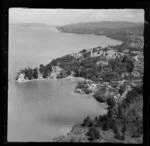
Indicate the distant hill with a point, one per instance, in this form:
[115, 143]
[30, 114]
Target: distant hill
[28, 24]
[104, 24]
[114, 29]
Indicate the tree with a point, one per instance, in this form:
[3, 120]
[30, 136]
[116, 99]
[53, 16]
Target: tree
[96, 119]
[54, 62]
[100, 95]
[120, 112]
[111, 102]
[41, 68]
[83, 51]
[87, 54]
[35, 73]
[103, 118]
[94, 50]
[123, 130]
[129, 66]
[122, 89]
[115, 129]
[93, 134]
[105, 126]
[131, 95]
[29, 73]
[87, 122]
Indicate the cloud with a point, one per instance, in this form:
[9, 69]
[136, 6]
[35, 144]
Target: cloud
[101, 15]
[96, 15]
[130, 15]
[68, 16]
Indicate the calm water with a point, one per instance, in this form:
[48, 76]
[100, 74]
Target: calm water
[42, 110]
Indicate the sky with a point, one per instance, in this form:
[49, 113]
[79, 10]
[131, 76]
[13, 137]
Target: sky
[69, 16]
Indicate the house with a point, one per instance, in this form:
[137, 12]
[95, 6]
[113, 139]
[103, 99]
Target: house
[135, 73]
[126, 51]
[21, 78]
[102, 63]
[55, 71]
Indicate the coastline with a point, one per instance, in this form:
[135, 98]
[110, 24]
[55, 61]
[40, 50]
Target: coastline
[41, 79]
[94, 34]
[32, 80]
[65, 137]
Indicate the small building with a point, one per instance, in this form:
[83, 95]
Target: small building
[77, 55]
[126, 51]
[102, 63]
[21, 78]
[135, 73]
[92, 86]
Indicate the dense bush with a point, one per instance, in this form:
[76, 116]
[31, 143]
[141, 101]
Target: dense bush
[86, 67]
[83, 51]
[124, 128]
[138, 132]
[121, 65]
[93, 134]
[87, 122]
[111, 102]
[87, 91]
[119, 137]
[41, 68]
[99, 97]
[30, 73]
[87, 54]
[131, 95]
[103, 118]
[62, 74]
[105, 126]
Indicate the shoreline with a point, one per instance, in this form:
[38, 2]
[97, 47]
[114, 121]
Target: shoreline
[68, 77]
[94, 34]
[25, 81]
[80, 128]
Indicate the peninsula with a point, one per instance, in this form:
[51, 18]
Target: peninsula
[113, 74]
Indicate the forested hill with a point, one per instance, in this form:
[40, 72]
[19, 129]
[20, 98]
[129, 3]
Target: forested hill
[83, 63]
[114, 29]
[105, 24]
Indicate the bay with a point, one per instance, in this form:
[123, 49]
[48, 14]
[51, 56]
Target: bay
[42, 110]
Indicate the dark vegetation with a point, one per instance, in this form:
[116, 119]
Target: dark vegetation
[130, 33]
[116, 30]
[85, 67]
[83, 86]
[33, 73]
[93, 134]
[30, 73]
[124, 118]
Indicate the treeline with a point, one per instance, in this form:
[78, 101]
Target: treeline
[131, 43]
[34, 73]
[84, 67]
[124, 118]
[116, 30]
[113, 71]
[29, 73]
[88, 68]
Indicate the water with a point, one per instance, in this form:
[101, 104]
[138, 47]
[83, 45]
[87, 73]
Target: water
[42, 110]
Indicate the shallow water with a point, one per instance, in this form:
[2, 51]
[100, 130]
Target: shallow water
[42, 110]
